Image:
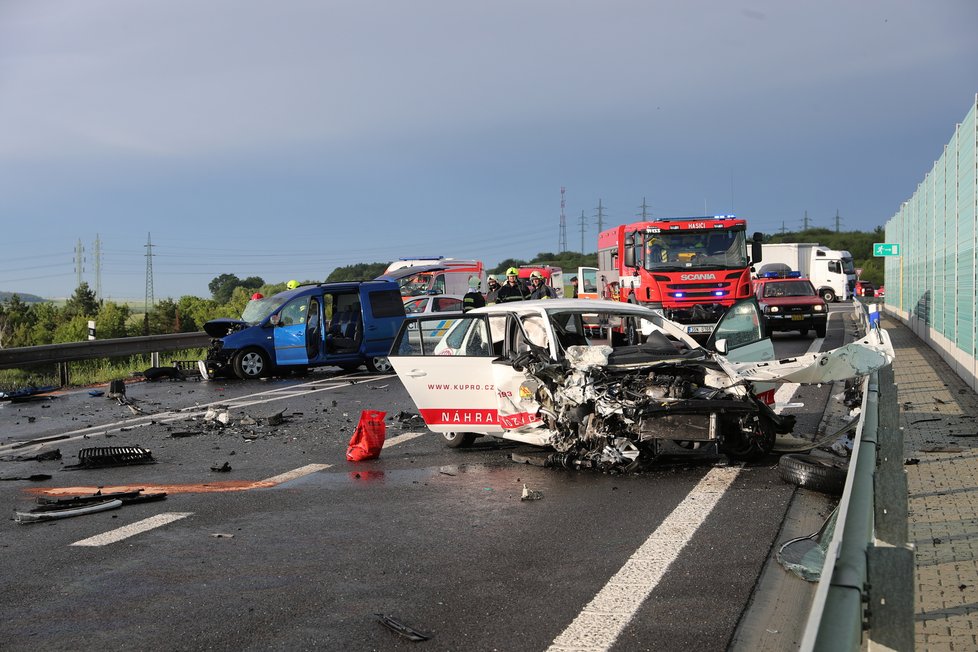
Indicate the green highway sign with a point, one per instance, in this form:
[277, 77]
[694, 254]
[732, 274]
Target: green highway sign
[886, 249]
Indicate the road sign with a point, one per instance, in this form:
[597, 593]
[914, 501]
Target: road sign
[886, 249]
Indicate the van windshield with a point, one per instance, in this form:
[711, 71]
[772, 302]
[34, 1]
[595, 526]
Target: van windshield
[258, 309]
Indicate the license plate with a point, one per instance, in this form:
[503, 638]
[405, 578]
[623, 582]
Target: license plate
[706, 328]
[797, 317]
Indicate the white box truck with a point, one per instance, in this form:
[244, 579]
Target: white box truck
[832, 272]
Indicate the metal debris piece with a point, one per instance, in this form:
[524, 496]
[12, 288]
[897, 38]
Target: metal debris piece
[184, 433]
[127, 498]
[103, 456]
[117, 389]
[276, 419]
[530, 494]
[37, 477]
[158, 373]
[96, 392]
[397, 626]
[224, 468]
[222, 535]
[34, 516]
[39, 440]
[40, 457]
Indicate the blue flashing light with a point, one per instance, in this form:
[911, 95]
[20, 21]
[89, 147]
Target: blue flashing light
[793, 275]
[718, 293]
[679, 295]
[770, 275]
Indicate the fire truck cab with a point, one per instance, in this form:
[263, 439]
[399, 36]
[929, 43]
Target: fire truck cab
[691, 269]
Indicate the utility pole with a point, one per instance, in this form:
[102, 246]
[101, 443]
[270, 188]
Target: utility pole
[646, 213]
[149, 282]
[784, 229]
[600, 217]
[98, 268]
[562, 243]
[79, 262]
[583, 221]
[805, 222]
[837, 220]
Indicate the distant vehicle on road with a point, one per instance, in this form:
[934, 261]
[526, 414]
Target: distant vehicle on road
[832, 272]
[436, 303]
[791, 304]
[865, 289]
[328, 324]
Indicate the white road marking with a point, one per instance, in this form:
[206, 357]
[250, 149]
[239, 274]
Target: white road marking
[296, 473]
[127, 531]
[606, 616]
[400, 439]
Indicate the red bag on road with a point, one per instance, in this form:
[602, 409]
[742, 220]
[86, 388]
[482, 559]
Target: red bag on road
[368, 438]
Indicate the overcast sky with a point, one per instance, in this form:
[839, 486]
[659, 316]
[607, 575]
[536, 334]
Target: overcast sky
[283, 139]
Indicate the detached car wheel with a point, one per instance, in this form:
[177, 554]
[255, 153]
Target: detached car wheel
[251, 363]
[459, 439]
[816, 473]
[379, 364]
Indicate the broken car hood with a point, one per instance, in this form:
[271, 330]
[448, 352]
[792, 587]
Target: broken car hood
[850, 361]
[221, 327]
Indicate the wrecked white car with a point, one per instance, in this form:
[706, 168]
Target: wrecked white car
[607, 383]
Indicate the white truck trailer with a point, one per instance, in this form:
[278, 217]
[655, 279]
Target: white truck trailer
[832, 272]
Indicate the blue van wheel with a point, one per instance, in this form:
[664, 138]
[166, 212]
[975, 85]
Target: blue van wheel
[251, 363]
[379, 364]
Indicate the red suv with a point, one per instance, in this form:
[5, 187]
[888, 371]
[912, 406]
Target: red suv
[791, 304]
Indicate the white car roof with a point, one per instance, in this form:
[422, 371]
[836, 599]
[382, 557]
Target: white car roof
[565, 305]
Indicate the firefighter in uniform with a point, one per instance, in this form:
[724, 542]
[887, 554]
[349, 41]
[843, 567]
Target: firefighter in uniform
[513, 289]
[539, 289]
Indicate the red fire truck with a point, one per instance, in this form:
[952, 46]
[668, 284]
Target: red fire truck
[690, 268]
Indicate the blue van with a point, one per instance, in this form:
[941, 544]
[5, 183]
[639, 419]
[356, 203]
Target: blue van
[328, 324]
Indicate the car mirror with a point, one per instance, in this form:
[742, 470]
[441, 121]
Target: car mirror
[720, 346]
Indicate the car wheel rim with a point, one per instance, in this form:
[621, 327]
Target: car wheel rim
[251, 364]
[382, 364]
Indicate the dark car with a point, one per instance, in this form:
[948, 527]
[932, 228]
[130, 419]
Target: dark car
[327, 324]
[865, 289]
[791, 304]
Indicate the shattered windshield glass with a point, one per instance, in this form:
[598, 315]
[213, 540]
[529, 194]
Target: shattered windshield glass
[258, 309]
[715, 249]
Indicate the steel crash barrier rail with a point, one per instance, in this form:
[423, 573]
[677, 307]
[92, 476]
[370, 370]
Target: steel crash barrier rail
[62, 354]
[866, 581]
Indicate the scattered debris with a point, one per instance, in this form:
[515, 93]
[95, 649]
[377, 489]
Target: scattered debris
[37, 477]
[222, 416]
[39, 440]
[222, 535]
[276, 419]
[937, 400]
[40, 457]
[532, 460]
[127, 498]
[117, 389]
[942, 449]
[29, 393]
[159, 373]
[224, 468]
[910, 461]
[398, 627]
[530, 494]
[105, 456]
[96, 392]
[185, 433]
[50, 515]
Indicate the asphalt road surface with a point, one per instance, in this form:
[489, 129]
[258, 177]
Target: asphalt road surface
[295, 548]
